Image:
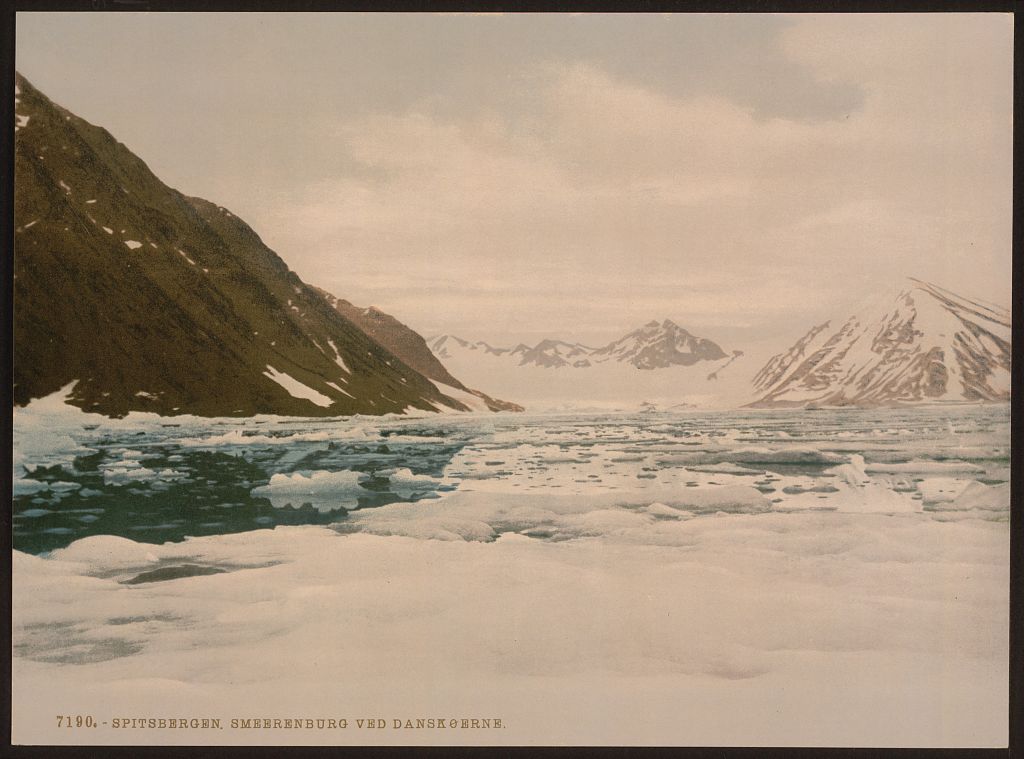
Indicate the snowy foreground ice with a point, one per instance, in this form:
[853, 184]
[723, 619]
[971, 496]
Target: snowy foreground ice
[740, 578]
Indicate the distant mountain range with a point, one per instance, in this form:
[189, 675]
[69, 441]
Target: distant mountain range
[653, 346]
[150, 300]
[930, 345]
[658, 365]
[926, 345]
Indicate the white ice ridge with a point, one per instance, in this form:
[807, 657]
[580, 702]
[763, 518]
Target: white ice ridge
[296, 389]
[325, 491]
[406, 484]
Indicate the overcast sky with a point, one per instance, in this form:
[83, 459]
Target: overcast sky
[518, 177]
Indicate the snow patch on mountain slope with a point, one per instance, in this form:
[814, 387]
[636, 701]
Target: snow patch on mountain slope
[473, 402]
[337, 357]
[295, 388]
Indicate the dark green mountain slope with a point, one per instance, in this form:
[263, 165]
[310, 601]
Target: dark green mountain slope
[408, 345]
[155, 301]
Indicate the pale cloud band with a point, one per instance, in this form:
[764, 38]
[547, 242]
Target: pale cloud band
[573, 176]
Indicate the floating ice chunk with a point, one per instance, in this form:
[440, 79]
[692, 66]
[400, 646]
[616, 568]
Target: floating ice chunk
[977, 495]
[133, 244]
[603, 522]
[65, 185]
[325, 491]
[22, 121]
[941, 489]
[91, 201]
[797, 489]
[659, 509]
[123, 474]
[852, 473]
[406, 484]
[788, 455]
[551, 514]
[105, 552]
[869, 498]
[393, 438]
[108, 230]
[738, 499]
[724, 468]
[238, 437]
[64, 487]
[296, 389]
[433, 527]
[924, 467]
[22, 486]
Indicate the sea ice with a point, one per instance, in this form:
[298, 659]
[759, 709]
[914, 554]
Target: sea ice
[325, 491]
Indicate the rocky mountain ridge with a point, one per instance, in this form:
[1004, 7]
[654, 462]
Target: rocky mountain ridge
[656, 345]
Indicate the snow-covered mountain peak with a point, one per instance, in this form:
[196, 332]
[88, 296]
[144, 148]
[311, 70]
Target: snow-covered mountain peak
[925, 344]
[445, 346]
[659, 345]
[655, 345]
[957, 304]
